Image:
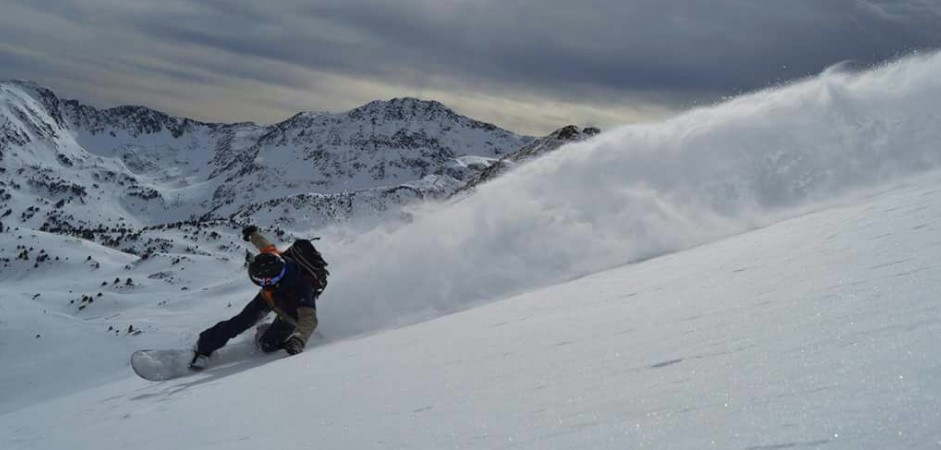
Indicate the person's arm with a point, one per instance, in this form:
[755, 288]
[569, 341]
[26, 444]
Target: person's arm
[250, 233]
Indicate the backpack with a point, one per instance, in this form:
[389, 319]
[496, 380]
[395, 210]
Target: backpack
[307, 256]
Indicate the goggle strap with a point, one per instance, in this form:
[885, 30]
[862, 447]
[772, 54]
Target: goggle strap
[273, 280]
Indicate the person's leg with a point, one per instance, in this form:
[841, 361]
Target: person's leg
[273, 338]
[217, 336]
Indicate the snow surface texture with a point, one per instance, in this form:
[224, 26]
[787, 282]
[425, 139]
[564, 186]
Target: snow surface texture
[72, 321]
[817, 331]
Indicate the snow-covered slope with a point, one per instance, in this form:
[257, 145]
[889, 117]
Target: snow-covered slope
[817, 332]
[813, 331]
[69, 303]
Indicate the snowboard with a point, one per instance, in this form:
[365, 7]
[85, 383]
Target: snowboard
[161, 365]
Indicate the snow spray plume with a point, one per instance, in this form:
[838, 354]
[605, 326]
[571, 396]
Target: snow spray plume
[644, 190]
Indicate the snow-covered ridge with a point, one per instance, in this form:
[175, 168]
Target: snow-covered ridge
[387, 142]
[148, 167]
[536, 148]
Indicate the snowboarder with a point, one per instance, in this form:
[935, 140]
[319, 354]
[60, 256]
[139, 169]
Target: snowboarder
[284, 289]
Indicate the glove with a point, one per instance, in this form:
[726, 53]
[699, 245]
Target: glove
[247, 231]
[293, 345]
[199, 361]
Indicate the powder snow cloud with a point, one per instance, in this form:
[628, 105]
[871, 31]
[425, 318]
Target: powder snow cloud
[645, 190]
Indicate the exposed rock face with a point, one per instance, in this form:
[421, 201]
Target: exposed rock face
[534, 149]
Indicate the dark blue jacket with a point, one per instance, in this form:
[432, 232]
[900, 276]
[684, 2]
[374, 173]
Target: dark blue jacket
[294, 291]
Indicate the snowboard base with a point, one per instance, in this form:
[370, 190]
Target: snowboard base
[160, 365]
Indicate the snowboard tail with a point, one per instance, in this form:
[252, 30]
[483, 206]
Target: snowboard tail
[161, 365]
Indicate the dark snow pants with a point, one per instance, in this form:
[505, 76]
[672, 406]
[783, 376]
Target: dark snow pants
[272, 340]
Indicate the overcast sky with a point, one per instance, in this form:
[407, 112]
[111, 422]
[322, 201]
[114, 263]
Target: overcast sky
[527, 65]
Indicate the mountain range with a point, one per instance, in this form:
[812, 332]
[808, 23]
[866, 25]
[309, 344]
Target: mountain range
[69, 167]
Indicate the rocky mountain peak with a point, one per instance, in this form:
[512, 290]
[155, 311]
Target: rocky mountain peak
[552, 142]
[32, 89]
[133, 119]
[403, 109]
[572, 132]
[28, 111]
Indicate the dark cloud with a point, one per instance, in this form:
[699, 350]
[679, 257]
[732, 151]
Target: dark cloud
[638, 45]
[676, 52]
